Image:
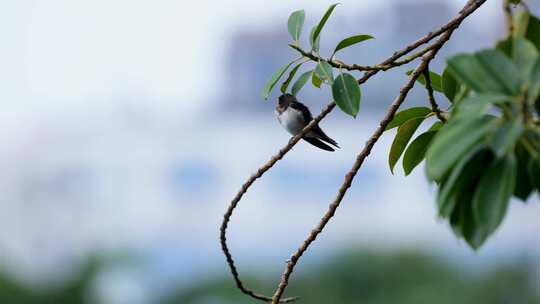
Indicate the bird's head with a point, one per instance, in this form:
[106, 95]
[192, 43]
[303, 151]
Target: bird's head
[285, 100]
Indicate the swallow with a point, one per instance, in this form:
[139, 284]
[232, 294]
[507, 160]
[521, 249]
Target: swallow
[294, 116]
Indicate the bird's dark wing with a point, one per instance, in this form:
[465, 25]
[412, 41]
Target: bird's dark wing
[325, 137]
[302, 108]
[308, 118]
[318, 143]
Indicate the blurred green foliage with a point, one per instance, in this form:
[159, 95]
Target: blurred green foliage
[377, 278]
[351, 277]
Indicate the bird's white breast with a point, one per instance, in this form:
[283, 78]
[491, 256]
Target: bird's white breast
[292, 120]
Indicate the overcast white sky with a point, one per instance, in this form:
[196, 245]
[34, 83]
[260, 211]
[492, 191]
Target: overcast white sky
[72, 51]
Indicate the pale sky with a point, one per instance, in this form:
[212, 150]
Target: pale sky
[60, 52]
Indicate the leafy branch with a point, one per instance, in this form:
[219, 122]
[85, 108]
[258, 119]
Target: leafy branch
[467, 137]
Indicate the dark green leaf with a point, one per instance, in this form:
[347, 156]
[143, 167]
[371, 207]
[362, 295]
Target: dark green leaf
[346, 93]
[472, 232]
[321, 24]
[533, 31]
[534, 172]
[436, 80]
[450, 85]
[324, 71]
[403, 136]
[295, 24]
[463, 175]
[351, 41]
[524, 185]
[416, 151]
[300, 82]
[453, 141]
[315, 43]
[463, 222]
[286, 83]
[405, 115]
[506, 136]
[505, 46]
[316, 81]
[456, 220]
[274, 79]
[492, 196]
[462, 219]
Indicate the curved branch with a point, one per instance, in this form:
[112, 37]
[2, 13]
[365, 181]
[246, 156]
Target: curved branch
[234, 202]
[243, 190]
[349, 177]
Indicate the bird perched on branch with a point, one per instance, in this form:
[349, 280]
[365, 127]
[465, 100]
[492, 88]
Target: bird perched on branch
[294, 116]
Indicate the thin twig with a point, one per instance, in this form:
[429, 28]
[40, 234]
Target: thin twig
[434, 106]
[349, 177]
[356, 67]
[234, 202]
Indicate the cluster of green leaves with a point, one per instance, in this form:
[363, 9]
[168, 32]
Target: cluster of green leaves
[345, 88]
[488, 151]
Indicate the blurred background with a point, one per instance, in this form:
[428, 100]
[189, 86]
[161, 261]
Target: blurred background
[127, 126]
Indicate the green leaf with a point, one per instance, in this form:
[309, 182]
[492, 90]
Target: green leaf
[351, 41]
[534, 172]
[478, 105]
[274, 79]
[452, 142]
[462, 176]
[487, 71]
[436, 80]
[286, 83]
[315, 43]
[324, 71]
[462, 219]
[524, 55]
[416, 151]
[403, 116]
[403, 136]
[501, 69]
[463, 222]
[472, 232]
[506, 136]
[450, 85]
[534, 90]
[524, 185]
[300, 82]
[295, 24]
[316, 81]
[436, 126]
[321, 24]
[346, 93]
[491, 198]
[533, 31]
